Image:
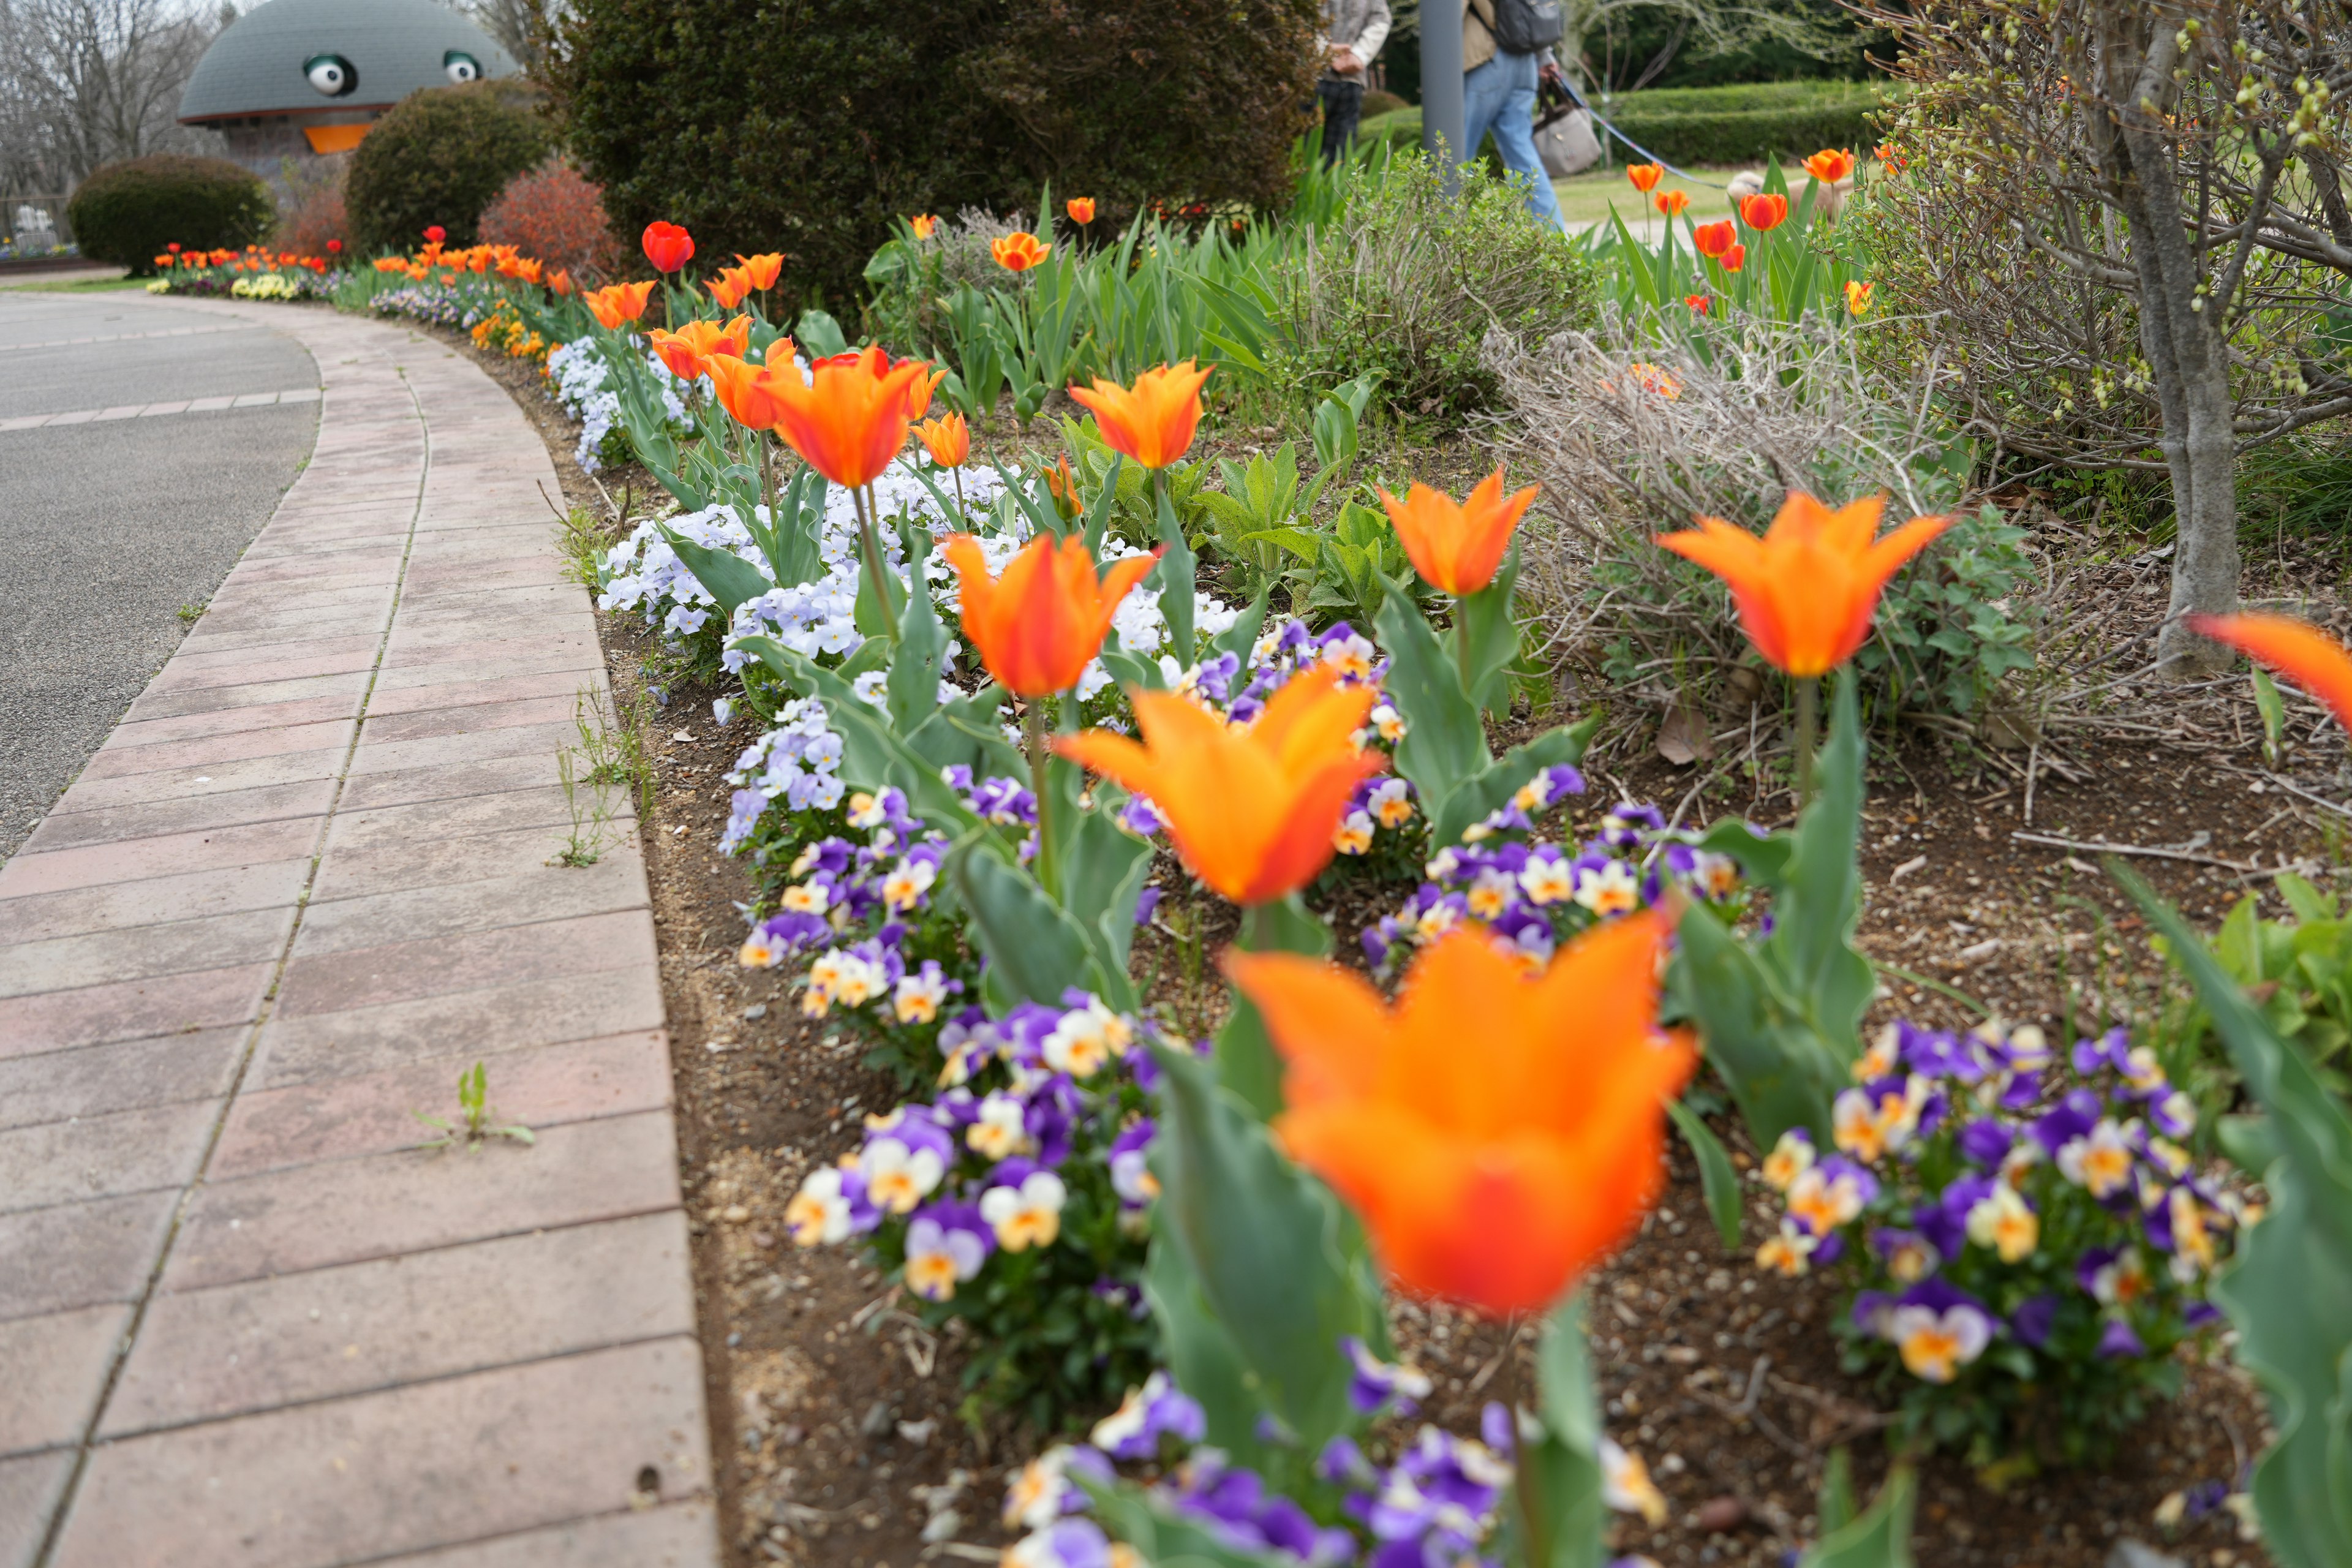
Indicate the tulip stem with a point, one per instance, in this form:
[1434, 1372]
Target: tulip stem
[962, 520]
[1462, 647]
[869, 538]
[1535, 1541]
[1033, 723]
[1808, 726]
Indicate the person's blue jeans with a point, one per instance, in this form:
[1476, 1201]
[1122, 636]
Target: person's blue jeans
[1500, 96]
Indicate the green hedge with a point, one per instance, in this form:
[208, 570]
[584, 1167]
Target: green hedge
[1719, 124]
[441, 156]
[127, 212]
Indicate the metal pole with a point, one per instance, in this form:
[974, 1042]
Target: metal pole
[1441, 88]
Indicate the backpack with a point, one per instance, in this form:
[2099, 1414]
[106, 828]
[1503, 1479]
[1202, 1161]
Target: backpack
[1524, 27]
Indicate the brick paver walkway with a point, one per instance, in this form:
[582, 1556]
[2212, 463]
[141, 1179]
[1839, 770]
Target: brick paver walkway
[244, 1320]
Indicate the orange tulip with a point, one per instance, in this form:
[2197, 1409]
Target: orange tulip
[1698, 302]
[667, 246]
[620, 304]
[559, 282]
[853, 420]
[1494, 1177]
[1063, 486]
[1712, 239]
[728, 285]
[1735, 257]
[1671, 203]
[1857, 297]
[1080, 208]
[1019, 252]
[1458, 548]
[1038, 625]
[948, 439]
[761, 271]
[2304, 655]
[688, 351]
[922, 224]
[1252, 808]
[1761, 213]
[746, 390]
[1806, 590]
[1645, 176]
[918, 393]
[1151, 422]
[1830, 165]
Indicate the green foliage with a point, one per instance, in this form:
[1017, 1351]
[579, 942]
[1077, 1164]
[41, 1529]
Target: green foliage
[1743, 124]
[477, 1121]
[127, 212]
[2297, 972]
[1781, 1015]
[2289, 1291]
[1947, 629]
[1405, 282]
[442, 156]
[1852, 1537]
[1557, 1522]
[812, 135]
[1789, 270]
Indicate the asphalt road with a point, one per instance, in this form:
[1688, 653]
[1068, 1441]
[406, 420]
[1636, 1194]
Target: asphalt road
[109, 527]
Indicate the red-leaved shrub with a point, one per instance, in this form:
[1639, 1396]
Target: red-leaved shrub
[556, 215]
[312, 214]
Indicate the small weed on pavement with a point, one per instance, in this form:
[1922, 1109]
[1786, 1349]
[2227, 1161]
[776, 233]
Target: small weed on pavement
[477, 1123]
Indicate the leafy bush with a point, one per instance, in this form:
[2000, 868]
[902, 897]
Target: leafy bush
[2028, 1247]
[812, 138]
[441, 156]
[1405, 282]
[557, 214]
[1628, 447]
[127, 212]
[1744, 124]
[314, 213]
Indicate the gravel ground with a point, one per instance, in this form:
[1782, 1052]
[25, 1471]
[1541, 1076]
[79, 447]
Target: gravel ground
[107, 529]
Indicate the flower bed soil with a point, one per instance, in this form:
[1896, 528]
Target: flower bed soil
[842, 1420]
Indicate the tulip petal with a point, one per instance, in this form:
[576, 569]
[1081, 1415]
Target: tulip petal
[2304, 654]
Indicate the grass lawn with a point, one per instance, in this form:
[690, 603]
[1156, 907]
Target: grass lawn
[75, 285]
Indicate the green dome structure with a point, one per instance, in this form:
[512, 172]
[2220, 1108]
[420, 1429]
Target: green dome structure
[303, 80]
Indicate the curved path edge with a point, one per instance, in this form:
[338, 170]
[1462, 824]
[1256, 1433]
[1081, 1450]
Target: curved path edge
[302, 886]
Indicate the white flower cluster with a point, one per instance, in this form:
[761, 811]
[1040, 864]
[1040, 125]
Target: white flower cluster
[794, 760]
[577, 371]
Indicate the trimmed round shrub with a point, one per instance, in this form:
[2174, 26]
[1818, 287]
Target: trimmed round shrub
[441, 156]
[1747, 124]
[127, 212]
[557, 214]
[809, 138]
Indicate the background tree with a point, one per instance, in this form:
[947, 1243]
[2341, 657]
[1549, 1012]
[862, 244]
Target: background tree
[86, 83]
[2122, 222]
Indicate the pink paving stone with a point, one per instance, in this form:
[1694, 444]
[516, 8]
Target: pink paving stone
[476, 904]
[77, 828]
[395, 865]
[56, 1365]
[541, 740]
[346, 1211]
[200, 653]
[419, 816]
[437, 966]
[273, 716]
[540, 1087]
[331, 1333]
[103, 793]
[29, 1488]
[103, 1156]
[534, 624]
[257, 694]
[93, 958]
[531, 773]
[130, 1009]
[143, 860]
[129, 1075]
[463, 693]
[123, 906]
[103, 1251]
[334, 737]
[265, 664]
[681, 1535]
[437, 1464]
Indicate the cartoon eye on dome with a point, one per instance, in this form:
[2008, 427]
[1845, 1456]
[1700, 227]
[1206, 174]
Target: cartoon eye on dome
[461, 67]
[332, 74]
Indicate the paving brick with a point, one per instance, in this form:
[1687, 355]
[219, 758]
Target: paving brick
[142, 730]
[56, 1366]
[680, 1535]
[331, 1332]
[402, 1471]
[389, 864]
[373, 1113]
[460, 693]
[437, 966]
[74, 828]
[542, 739]
[30, 1489]
[257, 694]
[145, 860]
[155, 900]
[104, 1156]
[129, 1075]
[199, 652]
[103, 1251]
[347, 1211]
[66, 963]
[535, 771]
[130, 1009]
[91, 792]
[287, 661]
[521, 660]
[542, 893]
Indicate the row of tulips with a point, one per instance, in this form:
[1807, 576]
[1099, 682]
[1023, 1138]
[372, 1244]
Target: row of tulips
[1329, 1137]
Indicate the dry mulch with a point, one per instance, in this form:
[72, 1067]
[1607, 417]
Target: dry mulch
[842, 1418]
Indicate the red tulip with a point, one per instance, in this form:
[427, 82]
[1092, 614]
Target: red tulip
[1764, 212]
[435, 233]
[1712, 239]
[667, 246]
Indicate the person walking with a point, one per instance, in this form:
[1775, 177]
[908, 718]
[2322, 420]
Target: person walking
[1353, 32]
[1498, 94]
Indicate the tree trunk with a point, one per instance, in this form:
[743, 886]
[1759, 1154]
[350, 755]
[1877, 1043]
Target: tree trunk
[2129, 94]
